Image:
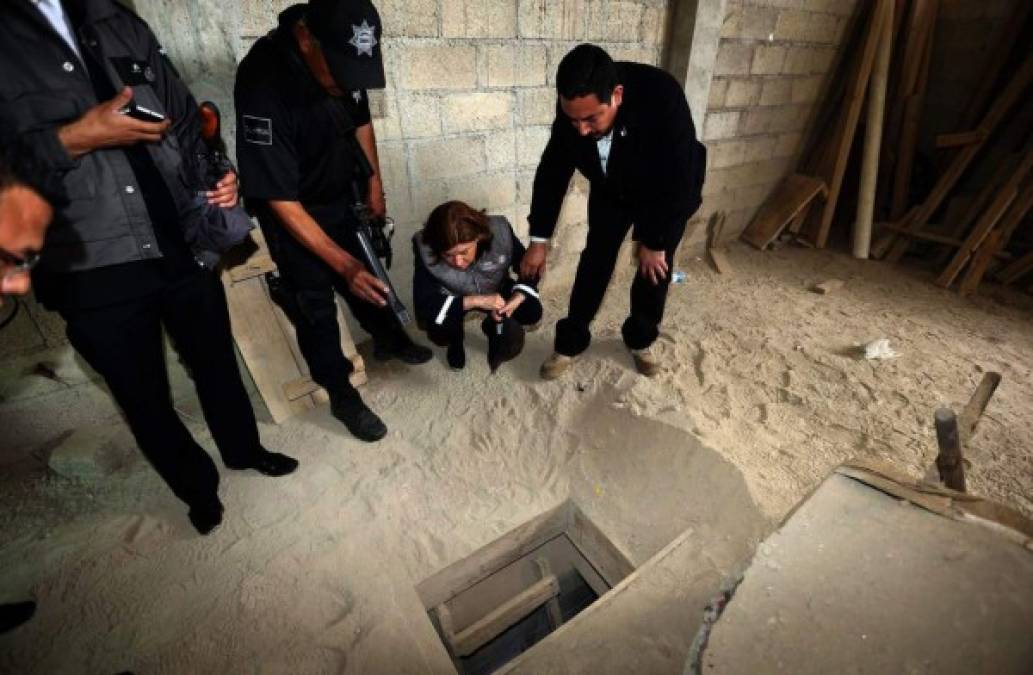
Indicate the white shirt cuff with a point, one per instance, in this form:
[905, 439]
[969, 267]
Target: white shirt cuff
[539, 240]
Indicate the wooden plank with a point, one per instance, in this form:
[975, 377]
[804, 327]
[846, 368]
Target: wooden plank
[981, 260]
[1016, 269]
[784, 204]
[492, 557]
[719, 259]
[552, 605]
[610, 562]
[263, 345]
[796, 224]
[913, 102]
[1005, 196]
[960, 138]
[1012, 93]
[256, 265]
[880, 21]
[973, 412]
[486, 629]
[996, 241]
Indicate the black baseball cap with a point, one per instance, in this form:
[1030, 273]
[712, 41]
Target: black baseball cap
[349, 32]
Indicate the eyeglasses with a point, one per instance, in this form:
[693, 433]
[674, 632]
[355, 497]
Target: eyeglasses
[12, 264]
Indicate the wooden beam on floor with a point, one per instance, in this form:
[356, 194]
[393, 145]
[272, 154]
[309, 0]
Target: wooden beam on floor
[1004, 103]
[997, 208]
[785, 203]
[486, 629]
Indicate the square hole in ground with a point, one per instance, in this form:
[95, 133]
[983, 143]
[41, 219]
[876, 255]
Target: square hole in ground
[500, 601]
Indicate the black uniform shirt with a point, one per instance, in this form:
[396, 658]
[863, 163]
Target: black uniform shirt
[289, 140]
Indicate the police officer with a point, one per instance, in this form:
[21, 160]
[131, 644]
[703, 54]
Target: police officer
[626, 127]
[116, 263]
[301, 105]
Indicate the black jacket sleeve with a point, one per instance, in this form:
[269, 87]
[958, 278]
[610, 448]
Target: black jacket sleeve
[528, 287]
[551, 181]
[433, 303]
[677, 177]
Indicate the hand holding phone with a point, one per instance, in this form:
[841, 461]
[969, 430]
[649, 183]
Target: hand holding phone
[110, 124]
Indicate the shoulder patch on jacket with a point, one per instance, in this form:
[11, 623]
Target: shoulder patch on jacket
[258, 130]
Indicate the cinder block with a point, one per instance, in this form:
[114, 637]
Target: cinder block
[519, 65]
[724, 154]
[420, 115]
[541, 18]
[776, 92]
[393, 166]
[500, 148]
[804, 26]
[759, 148]
[447, 158]
[788, 144]
[768, 60]
[476, 111]
[652, 26]
[719, 125]
[525, 186]
[845, 8]
[743, 93]
[648, 55]
[612, 21]
[808, 60]
[718, 93]
[479, 18]
[733, 58]
[536, 106]
[750, 23]
[530, 144]
[437, 66]
[806, 89]
[492, 191]
[409, 18]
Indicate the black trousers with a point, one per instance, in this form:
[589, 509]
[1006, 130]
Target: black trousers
[608, 224]
[123, 342]
[527, 314]
[308, 299]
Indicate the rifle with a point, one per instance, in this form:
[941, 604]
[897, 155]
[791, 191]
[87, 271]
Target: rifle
[374, 237]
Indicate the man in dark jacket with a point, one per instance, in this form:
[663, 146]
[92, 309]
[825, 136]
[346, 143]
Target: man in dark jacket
[303, 117]
[626, 127]
[116, 264]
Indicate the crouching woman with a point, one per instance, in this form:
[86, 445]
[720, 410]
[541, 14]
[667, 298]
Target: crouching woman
[465, 261]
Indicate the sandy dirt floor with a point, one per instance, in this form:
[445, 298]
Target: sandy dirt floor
[762, 396]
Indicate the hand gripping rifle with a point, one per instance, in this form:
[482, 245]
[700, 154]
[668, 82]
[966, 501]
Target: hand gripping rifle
[374, 236]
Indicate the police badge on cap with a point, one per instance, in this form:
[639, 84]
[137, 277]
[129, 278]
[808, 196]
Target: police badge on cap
[350, 34]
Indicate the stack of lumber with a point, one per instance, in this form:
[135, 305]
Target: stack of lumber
[967, 226]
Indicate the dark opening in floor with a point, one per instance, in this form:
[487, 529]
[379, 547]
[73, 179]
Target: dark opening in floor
[503, 599]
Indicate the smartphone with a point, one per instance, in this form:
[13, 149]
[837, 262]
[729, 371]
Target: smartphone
[139, 112]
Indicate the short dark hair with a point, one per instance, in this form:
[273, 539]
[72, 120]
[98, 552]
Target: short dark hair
[587, 69]
[454, 223]
[20, 165]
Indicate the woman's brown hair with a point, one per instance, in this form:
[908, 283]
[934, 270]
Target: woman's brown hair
[454, 223]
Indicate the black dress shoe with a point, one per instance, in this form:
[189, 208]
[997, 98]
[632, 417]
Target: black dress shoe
[15, 614]
[456, 356]
[360, 420]
[268, 463]
[206, 516]
[408, 352]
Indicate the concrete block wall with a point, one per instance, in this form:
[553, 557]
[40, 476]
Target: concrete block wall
[773, 63]
[470, 95]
